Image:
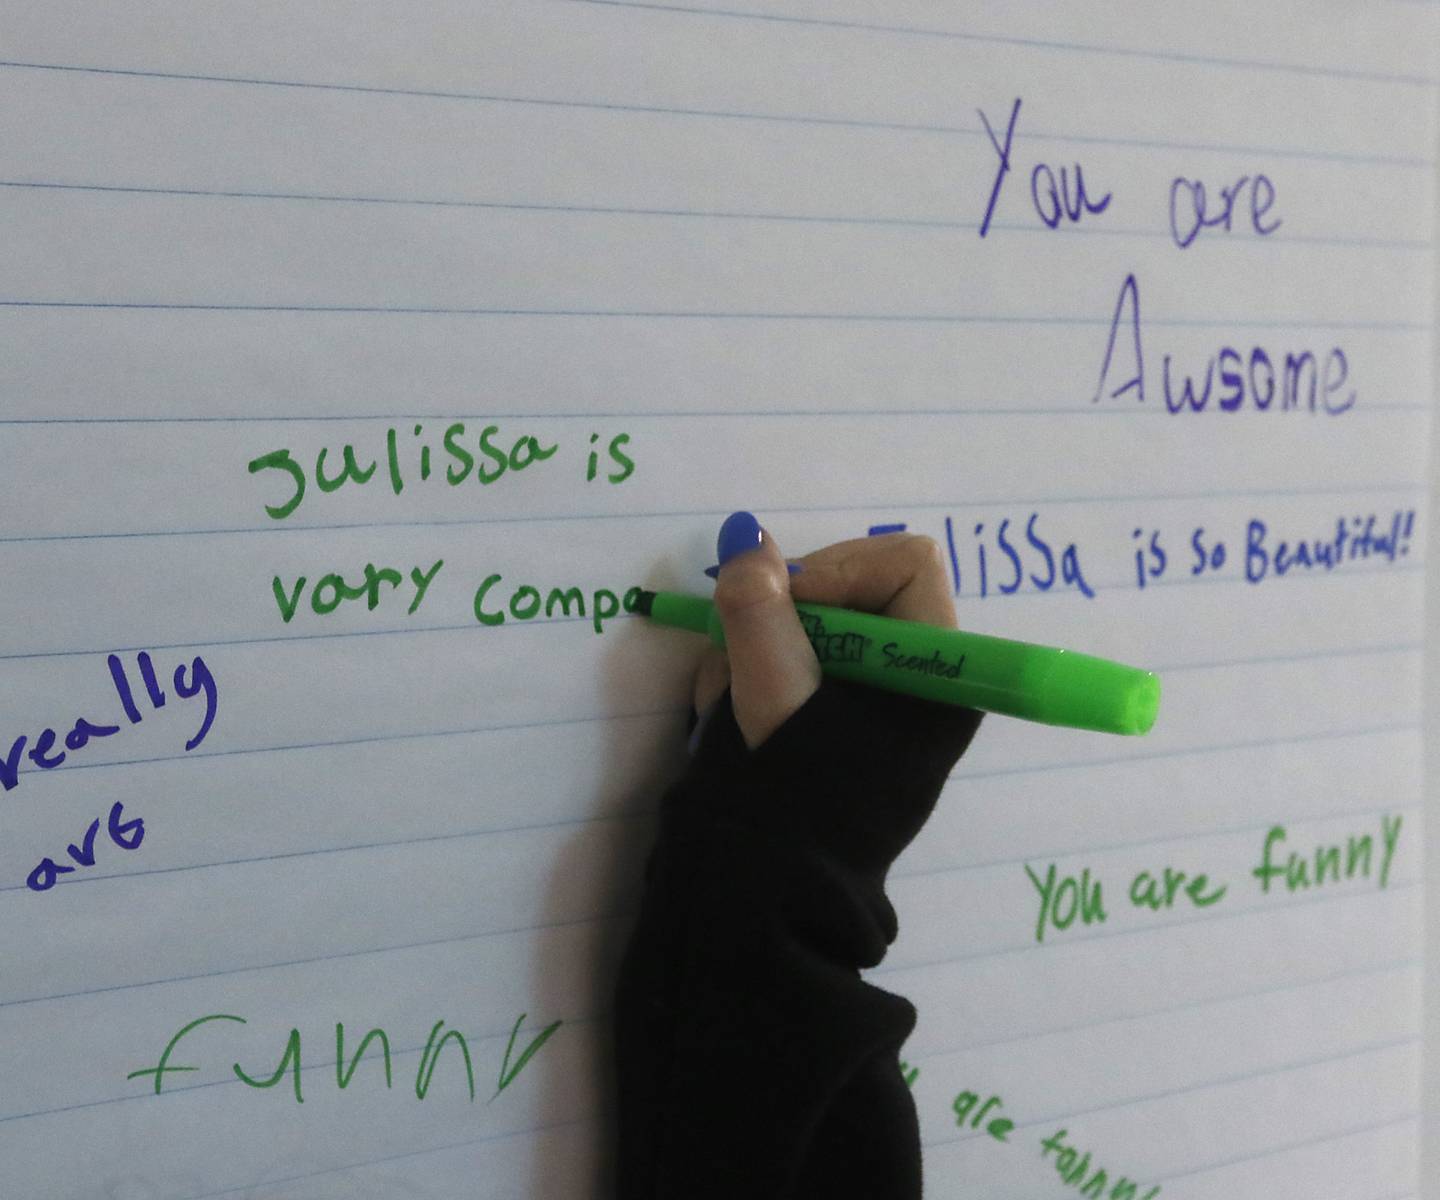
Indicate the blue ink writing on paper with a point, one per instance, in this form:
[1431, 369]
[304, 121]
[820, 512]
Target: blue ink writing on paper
[1192, 211]
[1003, 150]
[1058, 194]
[1010, 557]
[188, 682]
[1292, 380]
[1150, 557]
[126, 834]
[1129, 297]
[1254, 378]
[1356, 538]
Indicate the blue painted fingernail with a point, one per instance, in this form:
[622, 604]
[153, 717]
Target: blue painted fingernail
[738, 535]
[692, 743]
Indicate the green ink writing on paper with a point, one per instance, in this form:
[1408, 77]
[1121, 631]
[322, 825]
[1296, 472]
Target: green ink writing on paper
[507, 1072]
[971, 1111]
[1078, 1171]
[1062, 899]
[289, 1061]
[290, 1057]
[330, 591]
[163, 1067]
[487, 458]
[619, 459]
[1328, 864]
[1065, 900]
[1160, 890]
[342, 1076]
[431, 1056]
[981, 1112]
[526, 603]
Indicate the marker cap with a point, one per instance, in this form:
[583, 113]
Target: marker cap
[1084, 692]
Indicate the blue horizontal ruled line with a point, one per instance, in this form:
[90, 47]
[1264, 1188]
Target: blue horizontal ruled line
[645, 811]
[1242, 322]
[1260, 909]
[1409, 566]
[1376, 1047]
[1028, 43]
[308, 1069]
[1291, 1147]
[540, 1130]
[1347, 572]
[485, 1139]
[1306, 656]
[572, 1022]
[1078, 409]
[1330, 735]
[1147, 929]
[1206, 835]
[959, 773]
[967, 600]
[335, 956]
[1403, 964]
[1320, 239]
[374, 739]
[679, 514]
[550, 622]
[1266, 907]
[641, 813]
[637, 813]
[618, 916]
[920, 223]
[1333, 156]
[976, 131]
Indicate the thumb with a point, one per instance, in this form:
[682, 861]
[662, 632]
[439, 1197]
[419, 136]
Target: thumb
[773, 669]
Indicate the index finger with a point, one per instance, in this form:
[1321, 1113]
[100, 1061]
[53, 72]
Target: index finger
[899, 574]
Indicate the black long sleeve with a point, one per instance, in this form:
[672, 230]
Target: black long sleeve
[753, 1060]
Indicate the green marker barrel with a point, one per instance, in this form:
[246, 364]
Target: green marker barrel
[1018, 679]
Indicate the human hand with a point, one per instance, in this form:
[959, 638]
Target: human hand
[768, 662]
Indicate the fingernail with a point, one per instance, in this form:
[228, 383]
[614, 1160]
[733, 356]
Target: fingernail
[793, 568]
[738, 535]
[692, 743]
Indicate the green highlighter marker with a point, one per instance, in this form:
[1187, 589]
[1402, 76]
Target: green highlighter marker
[1018, 679]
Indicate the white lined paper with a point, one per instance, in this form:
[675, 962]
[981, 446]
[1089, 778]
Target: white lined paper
[746, 235]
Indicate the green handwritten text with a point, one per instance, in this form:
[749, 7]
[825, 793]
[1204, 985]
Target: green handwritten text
[289, 1063]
